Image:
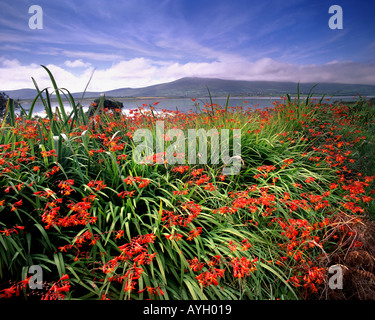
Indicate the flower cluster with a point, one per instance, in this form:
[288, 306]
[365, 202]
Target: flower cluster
[190, 211]
[133, 256]
[80, 213]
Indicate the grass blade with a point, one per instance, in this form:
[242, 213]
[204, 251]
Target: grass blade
[57, 92]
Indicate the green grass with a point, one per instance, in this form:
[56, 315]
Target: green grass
[124, 230]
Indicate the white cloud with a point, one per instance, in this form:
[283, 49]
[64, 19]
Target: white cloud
[77, 64]
[89, 55]
[14, 63]
[140, 72]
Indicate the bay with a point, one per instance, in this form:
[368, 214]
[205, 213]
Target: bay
[180, 104]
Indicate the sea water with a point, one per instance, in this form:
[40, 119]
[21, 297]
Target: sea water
[180, 104]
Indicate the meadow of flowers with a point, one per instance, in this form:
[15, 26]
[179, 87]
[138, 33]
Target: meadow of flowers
[101, 226]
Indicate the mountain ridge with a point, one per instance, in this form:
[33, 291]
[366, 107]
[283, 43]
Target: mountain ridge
[198, 87]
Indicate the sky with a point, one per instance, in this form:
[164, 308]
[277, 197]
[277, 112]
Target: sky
[137, 43]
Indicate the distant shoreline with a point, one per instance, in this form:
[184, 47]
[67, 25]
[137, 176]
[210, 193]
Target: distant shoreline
[214, 97]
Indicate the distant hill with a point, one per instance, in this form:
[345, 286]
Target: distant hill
[27, 94]
[197, 87]
[21, 93]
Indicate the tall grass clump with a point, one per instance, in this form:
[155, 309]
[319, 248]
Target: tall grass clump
[75, 202]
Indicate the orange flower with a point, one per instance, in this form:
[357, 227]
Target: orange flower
[49, 153]
[243, 267]
[119, 234]
[266, 168]
[196, 172]
[144, 183]
[180, 169]
[126, 193]
[100, 185]
[53, 171]
[232, 247]
[222, 177]
[175, 236]
[195, 233]
[129, 180]
[195, 265]
[7, 293]
[47, 193]
[246, 246]
[309, 179]
[148, 238]
[209, 187]
[366, 199]
[179, 193]
[210, 277]
[17, 204]
[288, 161]
[64, 277]
[122, 157]
[152, 290]
[333, 186]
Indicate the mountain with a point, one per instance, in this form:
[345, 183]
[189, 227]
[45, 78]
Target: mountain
[197, 87]
[27, 94]
[21, 94]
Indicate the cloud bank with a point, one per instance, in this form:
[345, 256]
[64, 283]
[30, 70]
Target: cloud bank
[140, 72]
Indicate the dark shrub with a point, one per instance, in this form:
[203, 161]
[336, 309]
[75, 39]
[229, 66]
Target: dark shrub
[108, 104]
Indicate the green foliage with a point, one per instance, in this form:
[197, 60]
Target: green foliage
[3, 104]
[123, 230]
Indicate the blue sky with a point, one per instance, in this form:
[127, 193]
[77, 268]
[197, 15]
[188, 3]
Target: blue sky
[135, 43]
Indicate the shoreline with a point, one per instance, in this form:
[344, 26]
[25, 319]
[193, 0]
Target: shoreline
[54, 99]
